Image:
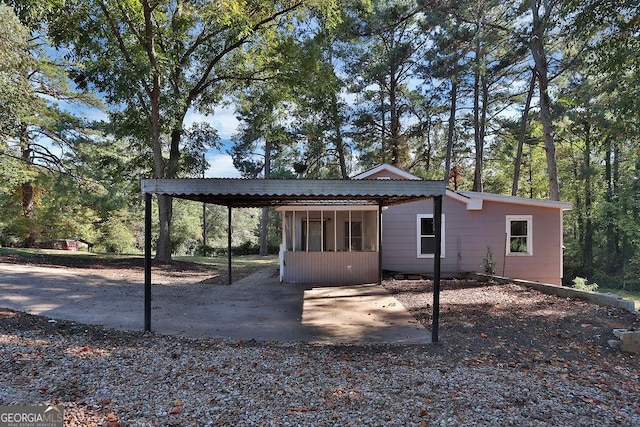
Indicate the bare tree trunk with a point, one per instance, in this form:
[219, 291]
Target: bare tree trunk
[522, 135]
[538, 52]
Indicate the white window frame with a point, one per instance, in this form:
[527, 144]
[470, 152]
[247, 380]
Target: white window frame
[419, 236]
[529, 220]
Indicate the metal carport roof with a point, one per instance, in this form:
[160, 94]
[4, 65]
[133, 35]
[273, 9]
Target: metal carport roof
[277, 192]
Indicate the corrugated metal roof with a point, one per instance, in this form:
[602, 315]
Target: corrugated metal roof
[276, 192]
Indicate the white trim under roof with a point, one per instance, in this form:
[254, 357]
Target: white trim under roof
[385, 167]
[313, 208]
[474, 200]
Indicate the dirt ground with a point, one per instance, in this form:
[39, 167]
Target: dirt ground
[130, 269]
[508, 323]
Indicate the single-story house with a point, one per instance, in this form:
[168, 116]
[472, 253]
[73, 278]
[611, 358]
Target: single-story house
[517, 237]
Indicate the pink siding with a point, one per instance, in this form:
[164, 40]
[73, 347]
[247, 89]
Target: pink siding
[330, 267]
[468, 234]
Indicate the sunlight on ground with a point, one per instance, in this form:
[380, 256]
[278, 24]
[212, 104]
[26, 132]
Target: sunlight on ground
[352, 313]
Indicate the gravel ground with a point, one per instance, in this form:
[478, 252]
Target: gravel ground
[507, 356]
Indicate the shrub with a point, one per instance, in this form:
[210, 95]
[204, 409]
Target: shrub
[205, 250]
[582, 284]
[488, 264]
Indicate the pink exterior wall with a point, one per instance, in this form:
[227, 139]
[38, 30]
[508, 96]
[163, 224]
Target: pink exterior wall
[468, 234]
[331, 267]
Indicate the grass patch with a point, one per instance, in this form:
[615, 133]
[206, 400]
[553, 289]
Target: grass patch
[634, 296]
[241, 265]
[28, 253]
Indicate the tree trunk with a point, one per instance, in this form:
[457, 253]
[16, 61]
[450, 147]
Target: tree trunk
[522, 135]
[383, 126]
[28, 193]
[613, 244]
[587, 247]
[538, 52]
[394, 125]
[165, 205]
[264, 220]
[452, 125]
[339, 142]
[477, 130]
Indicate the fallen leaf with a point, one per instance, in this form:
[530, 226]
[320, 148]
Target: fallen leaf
[111, 417]
[483, 335]
[179, 403]
[298, 409]
[175, 411]
[423, 412]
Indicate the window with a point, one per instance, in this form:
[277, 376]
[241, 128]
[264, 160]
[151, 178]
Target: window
[353, 235]
[426, 228]
[519, 237]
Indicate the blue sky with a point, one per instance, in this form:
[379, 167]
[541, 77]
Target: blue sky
[220, 163]
[224, 120]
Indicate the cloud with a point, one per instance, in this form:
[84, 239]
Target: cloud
[221, 166]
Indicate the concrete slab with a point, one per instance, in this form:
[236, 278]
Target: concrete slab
[257, 307]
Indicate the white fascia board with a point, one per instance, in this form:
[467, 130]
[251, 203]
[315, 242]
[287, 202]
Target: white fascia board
[327, 208]
[517, 200]
[386, 168]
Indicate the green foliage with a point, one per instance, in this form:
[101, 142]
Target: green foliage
[117, 238]
[583, 284]
[16, 94]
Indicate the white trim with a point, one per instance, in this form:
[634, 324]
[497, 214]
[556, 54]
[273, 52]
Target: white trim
[315, 208]
[385, 167]
[529, 220]
[513, 200]
[419, 254]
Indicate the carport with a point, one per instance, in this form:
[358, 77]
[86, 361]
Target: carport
[244, 193]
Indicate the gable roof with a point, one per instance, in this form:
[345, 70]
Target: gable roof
[385, 167]
[474, 200]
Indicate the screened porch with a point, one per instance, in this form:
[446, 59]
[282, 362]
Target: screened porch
[330, 244]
